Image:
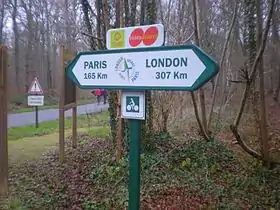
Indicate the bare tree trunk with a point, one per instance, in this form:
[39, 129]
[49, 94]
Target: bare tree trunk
[275, 39]
[67, 25]
[106, 19]
[252, 51]
[122, 18]
[41, 71]
[126, 12]
[251, 77]
[2, 15]
[118, 13]
[49, 70]
[143, 12]
[98, 21]
[133, 12]
[16, 42]
[262, 121]
[86, 8]
[147, 132]
[29, 41]
[221, 64]
[277, 90]
[202, 123]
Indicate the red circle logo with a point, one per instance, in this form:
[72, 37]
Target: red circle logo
[136, 37]
[148, 38]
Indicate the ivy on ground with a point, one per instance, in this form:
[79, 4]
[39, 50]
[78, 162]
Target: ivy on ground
[189, 174]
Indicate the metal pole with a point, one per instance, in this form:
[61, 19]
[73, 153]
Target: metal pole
[134, 164]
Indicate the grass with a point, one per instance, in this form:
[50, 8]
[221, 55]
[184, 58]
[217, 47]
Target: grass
[49, 127]
[31, 148]
[27, 142]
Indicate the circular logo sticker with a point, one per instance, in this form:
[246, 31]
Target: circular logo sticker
[136, 37]
[116, 39]
[148, 37]
[117, 36]
[126, 69]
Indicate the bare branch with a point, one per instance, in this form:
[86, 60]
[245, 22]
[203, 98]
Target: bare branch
[89, 35]
[238, 81]
[188, 39]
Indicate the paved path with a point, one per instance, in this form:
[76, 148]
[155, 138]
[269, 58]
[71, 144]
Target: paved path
[27, 118]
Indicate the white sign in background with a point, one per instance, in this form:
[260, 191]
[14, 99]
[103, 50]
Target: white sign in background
[35, 100]
[135, 69]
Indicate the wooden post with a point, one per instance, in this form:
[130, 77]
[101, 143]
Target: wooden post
[74, 126]
[70, 95]
[61, 107]
[68, 100]
[3, 120]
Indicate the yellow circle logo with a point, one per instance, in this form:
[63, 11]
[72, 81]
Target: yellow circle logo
[117, 39]
[117, 36]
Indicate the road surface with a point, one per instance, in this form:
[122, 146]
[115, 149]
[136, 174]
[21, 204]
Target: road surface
[27, 118]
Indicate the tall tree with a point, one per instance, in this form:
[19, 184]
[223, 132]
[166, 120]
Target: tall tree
[276, 45]
[48, 45]
[2, 16]
[86, 8]
[14, 5]
[262, 102]
[27, 7]
[148, 16]
[253, 67]
[201, 121]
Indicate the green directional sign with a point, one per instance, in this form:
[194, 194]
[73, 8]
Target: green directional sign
[185, 67]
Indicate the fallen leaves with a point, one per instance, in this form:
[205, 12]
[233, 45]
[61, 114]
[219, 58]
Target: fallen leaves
[193, 174]
[176, 198]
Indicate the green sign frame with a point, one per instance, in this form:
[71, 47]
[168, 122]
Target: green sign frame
[211, 70]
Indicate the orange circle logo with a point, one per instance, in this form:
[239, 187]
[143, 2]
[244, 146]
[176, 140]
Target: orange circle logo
[148, 37]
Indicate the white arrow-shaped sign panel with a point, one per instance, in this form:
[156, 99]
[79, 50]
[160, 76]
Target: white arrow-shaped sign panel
[160, 68]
